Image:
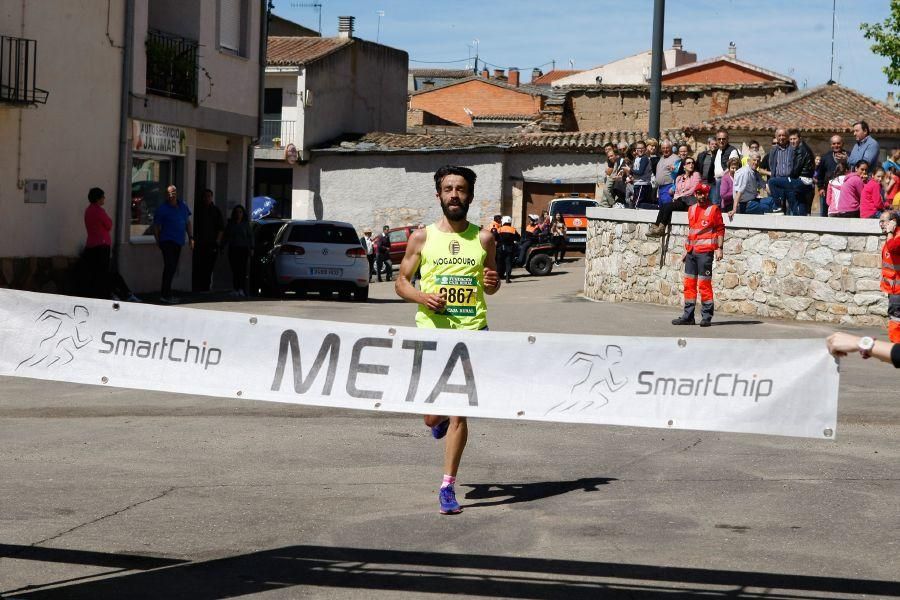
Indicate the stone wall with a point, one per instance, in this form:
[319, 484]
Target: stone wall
[801, 268]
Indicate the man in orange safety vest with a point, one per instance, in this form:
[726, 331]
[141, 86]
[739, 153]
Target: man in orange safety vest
[706, 235]
[890, 271]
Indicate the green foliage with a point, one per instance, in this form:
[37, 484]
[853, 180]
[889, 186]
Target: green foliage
[887, 41]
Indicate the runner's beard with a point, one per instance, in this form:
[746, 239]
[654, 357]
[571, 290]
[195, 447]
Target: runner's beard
[463, 210]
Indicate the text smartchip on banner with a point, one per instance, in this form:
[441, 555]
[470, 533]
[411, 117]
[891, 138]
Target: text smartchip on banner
[779, 387]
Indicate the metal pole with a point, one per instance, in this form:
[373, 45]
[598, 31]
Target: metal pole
[659, 11]
[831, 69]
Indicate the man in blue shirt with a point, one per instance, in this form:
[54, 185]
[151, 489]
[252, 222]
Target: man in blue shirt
[865, 148]
[171, 221]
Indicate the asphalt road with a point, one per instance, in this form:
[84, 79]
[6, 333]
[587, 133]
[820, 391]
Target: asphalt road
[108, 493]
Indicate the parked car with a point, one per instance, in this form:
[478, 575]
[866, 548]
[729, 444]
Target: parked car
[262, 279]
[399, 237]
[320, 256]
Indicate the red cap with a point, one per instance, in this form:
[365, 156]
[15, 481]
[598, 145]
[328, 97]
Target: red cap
[701, 188]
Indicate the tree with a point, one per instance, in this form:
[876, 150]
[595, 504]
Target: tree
[887, 41]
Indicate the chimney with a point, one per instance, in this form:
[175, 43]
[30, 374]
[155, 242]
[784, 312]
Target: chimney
[486, 74]
[890, 100]
[676, 44]
[535, 73]
[498, 74]
[514, 77]
[345, 27]
[732, 50]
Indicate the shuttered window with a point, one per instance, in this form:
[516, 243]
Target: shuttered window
[230, 24]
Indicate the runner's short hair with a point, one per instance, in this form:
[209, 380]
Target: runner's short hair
[464, 172]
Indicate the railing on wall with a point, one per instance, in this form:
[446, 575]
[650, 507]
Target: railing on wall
[172, 65]
[18, 72]
[277, 134]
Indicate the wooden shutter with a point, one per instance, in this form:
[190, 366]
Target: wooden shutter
[230, 24]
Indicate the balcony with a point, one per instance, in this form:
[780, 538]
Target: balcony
[276, 135]
[18, 72]
[172, 66]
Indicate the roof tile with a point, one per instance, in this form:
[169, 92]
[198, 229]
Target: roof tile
[290, 51]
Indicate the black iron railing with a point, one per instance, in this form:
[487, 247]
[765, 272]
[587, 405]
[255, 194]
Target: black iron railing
[172, 66]
[18, 72]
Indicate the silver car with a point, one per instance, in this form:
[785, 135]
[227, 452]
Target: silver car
[321, 256]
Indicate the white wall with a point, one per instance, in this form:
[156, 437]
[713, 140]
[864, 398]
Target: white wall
[72, 141]
[627, 71]
[548, 168]
[377, 189]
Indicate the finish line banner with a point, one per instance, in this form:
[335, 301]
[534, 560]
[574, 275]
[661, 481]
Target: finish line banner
[779, 387]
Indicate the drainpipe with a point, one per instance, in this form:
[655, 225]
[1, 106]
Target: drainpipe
[265, 10]
[123, 183]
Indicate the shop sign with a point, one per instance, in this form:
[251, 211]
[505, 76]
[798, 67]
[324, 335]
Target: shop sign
[156, 138]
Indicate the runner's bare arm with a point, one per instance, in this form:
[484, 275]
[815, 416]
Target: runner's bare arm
[491, 278]
[408, 266]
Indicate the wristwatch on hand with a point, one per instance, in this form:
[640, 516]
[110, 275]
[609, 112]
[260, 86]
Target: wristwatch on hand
[865, 346]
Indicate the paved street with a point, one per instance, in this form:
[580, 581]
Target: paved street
[108, 493]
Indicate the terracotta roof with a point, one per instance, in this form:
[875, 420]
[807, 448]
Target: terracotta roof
[830, 108]
[583, 141]
[505, 117]
[548, 78]
[442, 73]
[727, 59]
[291, 51]
[673, 87]
[523, 89]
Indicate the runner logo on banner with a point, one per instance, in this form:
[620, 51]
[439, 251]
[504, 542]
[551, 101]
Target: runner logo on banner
[781, 387]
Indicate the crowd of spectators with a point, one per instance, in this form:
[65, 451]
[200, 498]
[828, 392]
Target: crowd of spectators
[787, 179]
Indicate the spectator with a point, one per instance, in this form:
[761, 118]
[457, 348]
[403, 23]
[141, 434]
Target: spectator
[239, 238]
[368, 243]
[890, 270]
[705, 160]
[780, 165]
[640, 172]
[865, 148]
[826, 168]
[558, 237]
[891, 186]
[851, 191]
[208, 231]
[495, 224]
[664, 173]
[615, 165]
[545, 225]
[802, 171]
[100, 282]
[841, 344]
[685, 185]
[532, 232]
[683, 152]
[747, 185]
[724, 153]
[653, 154]
[507, 241]
[753, 146]
[833, 191]
[171, 221]
[872, 203]
[383, 254]
[726, 189]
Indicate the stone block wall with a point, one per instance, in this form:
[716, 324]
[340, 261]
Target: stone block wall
[801, 268]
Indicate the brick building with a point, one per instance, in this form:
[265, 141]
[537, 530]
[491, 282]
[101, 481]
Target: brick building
[457, 102]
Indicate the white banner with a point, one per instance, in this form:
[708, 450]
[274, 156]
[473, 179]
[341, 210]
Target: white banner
[781, 387]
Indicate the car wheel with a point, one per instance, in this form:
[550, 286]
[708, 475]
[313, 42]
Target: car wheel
[361, 294]
[540, 264]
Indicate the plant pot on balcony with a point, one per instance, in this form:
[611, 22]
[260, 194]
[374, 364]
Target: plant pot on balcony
[276, 142]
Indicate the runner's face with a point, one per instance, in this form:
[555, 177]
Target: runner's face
[454, 197]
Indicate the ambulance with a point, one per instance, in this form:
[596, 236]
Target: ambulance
[573, 208]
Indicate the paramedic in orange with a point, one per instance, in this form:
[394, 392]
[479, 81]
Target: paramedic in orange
[706, 235]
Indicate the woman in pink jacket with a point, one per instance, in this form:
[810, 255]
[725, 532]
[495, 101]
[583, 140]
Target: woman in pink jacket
[683, 197]
[846, 204]
[872, 203]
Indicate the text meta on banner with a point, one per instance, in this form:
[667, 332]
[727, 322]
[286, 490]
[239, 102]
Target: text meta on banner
[777, 387]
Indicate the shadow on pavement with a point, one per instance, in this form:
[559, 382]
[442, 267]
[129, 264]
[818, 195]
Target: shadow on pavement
[457, 574]
[526, 492]
[721, 323]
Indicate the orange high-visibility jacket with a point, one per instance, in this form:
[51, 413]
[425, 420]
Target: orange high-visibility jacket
[890, 266]
[704, 226]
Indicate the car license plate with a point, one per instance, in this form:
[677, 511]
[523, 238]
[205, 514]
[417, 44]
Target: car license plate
[323, 271]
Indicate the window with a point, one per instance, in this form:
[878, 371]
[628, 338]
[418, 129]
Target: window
[321, 233]
[231, 25]
[398, 236]
[272, 102]
[573, 207]
[149, 179]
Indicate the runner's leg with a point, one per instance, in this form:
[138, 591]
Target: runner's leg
[457, 436]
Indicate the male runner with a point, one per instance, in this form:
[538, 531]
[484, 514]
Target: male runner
[458, 266]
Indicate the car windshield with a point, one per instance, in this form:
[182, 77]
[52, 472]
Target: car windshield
[572, 207]
[323, 233]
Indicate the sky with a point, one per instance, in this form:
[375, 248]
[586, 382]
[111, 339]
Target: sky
[791, 37]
